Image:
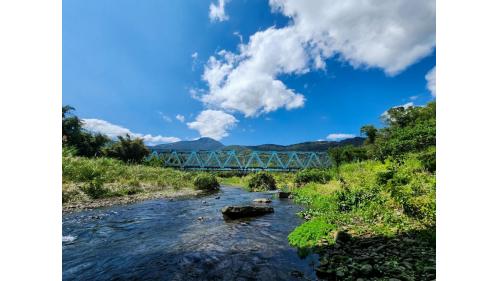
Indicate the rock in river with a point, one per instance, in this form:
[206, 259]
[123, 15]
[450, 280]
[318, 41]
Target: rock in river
[283, 194]
[234, 212]
[262, 200]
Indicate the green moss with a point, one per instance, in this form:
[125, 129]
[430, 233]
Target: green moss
[309, 233]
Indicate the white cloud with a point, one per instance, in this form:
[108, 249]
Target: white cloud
[180, 117]
[113, 131]
[431, 81]
[390, 35]
[165, 117]
[217, 12]
[213, 124]
[194, 55]
[336, 137]
[247, 82]
[413, 98]
[386, 34]
[236, 33]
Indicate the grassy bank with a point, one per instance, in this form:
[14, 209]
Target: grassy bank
[283, 180]
[91, 181]
[368, 219]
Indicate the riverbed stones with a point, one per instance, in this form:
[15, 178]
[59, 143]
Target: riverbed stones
[262, 200]
[235, 212]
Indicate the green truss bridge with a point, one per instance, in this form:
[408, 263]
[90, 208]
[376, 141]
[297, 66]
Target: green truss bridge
[226, 160]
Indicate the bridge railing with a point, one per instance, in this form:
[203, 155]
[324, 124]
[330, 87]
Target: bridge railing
[243, 160]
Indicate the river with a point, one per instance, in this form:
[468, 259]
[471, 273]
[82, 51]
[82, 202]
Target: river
[184, 239]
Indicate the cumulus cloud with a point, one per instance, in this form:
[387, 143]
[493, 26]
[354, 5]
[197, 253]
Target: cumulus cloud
[247, 83]
[180, 117]
[430, 77]
[217, 12]
[213, 123]
[390, 35]
[113, 131]
[336, 137]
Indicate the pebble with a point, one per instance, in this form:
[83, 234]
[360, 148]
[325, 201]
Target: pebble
[366, 269]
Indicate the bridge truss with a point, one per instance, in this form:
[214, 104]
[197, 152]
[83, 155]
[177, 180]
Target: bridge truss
[243, 160]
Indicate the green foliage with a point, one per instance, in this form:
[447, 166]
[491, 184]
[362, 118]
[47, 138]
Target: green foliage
[413, 188]
[309, 233]
[85, 143]
[428, 159]
[411, 129]
[154, 161]
[349, 198]
[206, 181]
[87, 178]
[262, 181]
[127, 149]
[230, 174]
[372, 197]
[370, 132]
[95, 189]
[312, 175]
[347, 154]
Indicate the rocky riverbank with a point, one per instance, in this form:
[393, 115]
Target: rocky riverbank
[410, 256]
[70, 207]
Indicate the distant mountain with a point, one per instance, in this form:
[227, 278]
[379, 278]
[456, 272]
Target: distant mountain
[211, 144]
[199, 144]
[304, 146]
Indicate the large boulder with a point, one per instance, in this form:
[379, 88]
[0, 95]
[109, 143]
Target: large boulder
[234, 212]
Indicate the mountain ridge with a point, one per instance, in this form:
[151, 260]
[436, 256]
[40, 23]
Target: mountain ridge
[206, 143]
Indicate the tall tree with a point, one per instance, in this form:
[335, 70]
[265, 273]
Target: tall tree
[127, 149]
[370, 132]
[73, 135]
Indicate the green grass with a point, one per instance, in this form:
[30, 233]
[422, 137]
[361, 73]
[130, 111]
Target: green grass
[368, 198]
[284, 180]
[372, 198]
[91, 178]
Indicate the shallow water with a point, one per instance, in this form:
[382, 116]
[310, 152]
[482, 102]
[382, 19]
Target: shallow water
[167, 240]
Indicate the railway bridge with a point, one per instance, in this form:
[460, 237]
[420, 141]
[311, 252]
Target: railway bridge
[244, 160]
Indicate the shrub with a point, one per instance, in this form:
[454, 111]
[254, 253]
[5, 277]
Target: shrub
[347, 154]
[313, 175]
[206, 182]
[262, 181]
[154, 161]
[349, 198]
[95, 189]
[428, 159]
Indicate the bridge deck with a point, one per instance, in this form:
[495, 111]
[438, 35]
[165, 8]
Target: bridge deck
[227, 160]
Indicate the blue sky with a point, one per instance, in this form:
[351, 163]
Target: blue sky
[133, 66]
